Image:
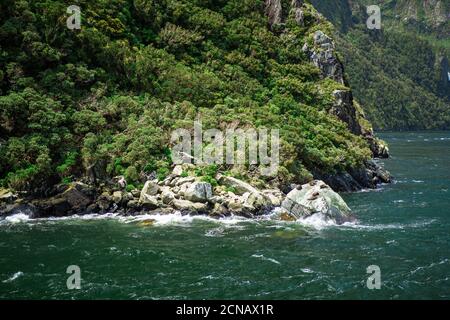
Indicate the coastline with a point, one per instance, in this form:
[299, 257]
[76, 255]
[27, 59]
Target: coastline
[191, 195]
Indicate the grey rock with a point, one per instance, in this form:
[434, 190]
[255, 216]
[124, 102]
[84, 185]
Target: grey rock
[317, 198]
[148, 202]
[199, 192]
[182, 181]
[150, 188]
[186, 205]
[177, 171]
[240, 186]
[274, 11]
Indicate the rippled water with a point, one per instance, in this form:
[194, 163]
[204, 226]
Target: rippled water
[404, 228]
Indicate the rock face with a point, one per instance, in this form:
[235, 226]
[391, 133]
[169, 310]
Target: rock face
[74, 199]
[322, 55]
[198, 192]
[274, 12]
[367, 176]
[344, 109]
[317, 198]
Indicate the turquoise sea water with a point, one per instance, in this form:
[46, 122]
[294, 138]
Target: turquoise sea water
[404, 228]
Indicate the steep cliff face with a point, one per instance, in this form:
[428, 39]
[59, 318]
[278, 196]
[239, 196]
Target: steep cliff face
[398, 73]
[322, 53]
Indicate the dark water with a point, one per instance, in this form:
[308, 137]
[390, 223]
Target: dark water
[404, 229]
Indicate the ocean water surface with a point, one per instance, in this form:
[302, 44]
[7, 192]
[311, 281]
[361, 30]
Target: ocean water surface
[404, 228]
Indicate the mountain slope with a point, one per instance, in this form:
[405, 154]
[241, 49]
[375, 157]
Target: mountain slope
[398, 73]
[102, 101]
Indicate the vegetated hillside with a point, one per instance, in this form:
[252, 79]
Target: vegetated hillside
[103, 100]
[398, 73]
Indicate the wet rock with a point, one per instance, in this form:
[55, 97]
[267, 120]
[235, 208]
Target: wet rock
[17, 208]
[147, 222]
[287, 217]
[133, 204]
[71, 201]
[314, 199]
[218, 210]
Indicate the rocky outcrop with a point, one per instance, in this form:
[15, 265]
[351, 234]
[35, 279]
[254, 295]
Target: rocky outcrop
[75, 199]
[276, 16]
[344, 109]
[367, 176]
[323, 56]
[297, 10]
[317, 198]
[274, 12]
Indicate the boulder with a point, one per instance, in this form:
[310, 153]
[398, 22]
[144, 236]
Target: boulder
[239, 186]
[186, 205]
[133, 204]
[71, 201]
[117, 197]
[274, 196]
[148, 202]
[177, 171]
[167, 196]
[7, 196]
[219, 210]
[198, 192]
[150, 188]
[16, 208]
[317, 198]
[182, 181]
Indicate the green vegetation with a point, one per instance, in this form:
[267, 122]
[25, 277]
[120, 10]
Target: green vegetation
[102, 101]
[396, 73]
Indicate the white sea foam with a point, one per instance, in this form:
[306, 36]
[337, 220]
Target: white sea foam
[306, 270]
[317, 221]
[262, 257]
[13, 277]
[16, 218]
[400, 226]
